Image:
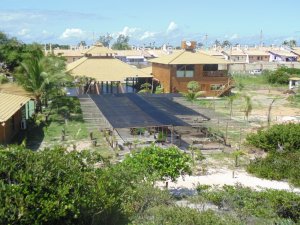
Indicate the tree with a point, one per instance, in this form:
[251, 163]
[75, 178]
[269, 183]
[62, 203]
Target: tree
[40, 76]
[290, 43]
[156, 163]
[81, 43]
[230, 100]
[193, 91]
[217, 43]
[121, 43]
[226, 44]
[105, 39]
[13, 52]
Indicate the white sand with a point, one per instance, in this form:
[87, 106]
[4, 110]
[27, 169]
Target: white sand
[225, 178]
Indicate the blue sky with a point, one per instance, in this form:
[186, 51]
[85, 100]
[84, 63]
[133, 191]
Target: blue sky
[162, 21]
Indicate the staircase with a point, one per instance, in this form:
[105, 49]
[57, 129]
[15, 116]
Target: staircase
[226, 88]
[92, 116]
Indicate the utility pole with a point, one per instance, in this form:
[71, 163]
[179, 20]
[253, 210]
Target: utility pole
[206, 37]
[261, 38]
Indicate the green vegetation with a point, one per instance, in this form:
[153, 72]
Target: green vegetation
[253, 207]
[160, 164]
[281, 75]
[193, 91]
[121, 43]
[54, 186]
[282, 137]
[283, 160]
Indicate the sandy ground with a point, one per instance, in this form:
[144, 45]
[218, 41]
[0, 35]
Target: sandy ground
[225, 177]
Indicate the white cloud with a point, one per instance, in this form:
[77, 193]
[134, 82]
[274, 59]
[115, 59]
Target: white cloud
[128, 31]
[147, 34]
[23, 32]
[72, 33]
[234, 36]
[172, 27]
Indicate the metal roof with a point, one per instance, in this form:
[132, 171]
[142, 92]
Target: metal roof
[188, 58]
[10, 104]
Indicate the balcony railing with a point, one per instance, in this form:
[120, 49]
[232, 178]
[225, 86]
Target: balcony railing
[218, 73]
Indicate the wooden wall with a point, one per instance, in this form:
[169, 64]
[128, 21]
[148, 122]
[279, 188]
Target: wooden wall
[9, 130]
[166, 74]
[162, 73]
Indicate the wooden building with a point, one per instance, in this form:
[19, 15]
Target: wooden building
[13, 113]
[176, 70]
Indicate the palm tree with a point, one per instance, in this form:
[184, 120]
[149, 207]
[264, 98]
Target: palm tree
[230, 100]
[40, 76]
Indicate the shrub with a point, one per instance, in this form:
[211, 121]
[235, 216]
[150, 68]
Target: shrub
[284, 137]
[281, 75]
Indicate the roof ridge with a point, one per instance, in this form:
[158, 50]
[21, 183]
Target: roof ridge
[180, 53]
[78, 64]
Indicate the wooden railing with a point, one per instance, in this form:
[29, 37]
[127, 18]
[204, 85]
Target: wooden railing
[218, 73]
[226, 87]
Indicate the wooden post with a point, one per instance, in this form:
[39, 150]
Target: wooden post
[172, 134]
[102, 87]
[106, 87]
[226, 133]
[111, 87]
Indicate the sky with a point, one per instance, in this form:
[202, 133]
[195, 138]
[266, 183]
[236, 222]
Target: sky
[159, 21]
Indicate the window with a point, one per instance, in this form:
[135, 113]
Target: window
[210, 67]
[185, 71]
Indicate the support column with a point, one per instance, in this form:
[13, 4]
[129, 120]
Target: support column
[111, 87]
[102, 86]
[106, 87]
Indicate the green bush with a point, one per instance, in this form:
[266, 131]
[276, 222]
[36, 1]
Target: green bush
[285, 137]
[281, 75]
[247, 204]
[278, 166]
[181, 215]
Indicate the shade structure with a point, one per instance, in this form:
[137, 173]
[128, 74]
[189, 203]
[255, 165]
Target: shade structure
[132, 110]
[104, 69]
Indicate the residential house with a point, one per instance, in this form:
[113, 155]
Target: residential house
[235, 55]
[296, 51]
[13, 113]
[176, 70]
[281, 55]
[256, 55]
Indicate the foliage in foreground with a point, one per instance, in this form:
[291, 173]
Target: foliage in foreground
[54, 186]
[271, 206]
[175, 215]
